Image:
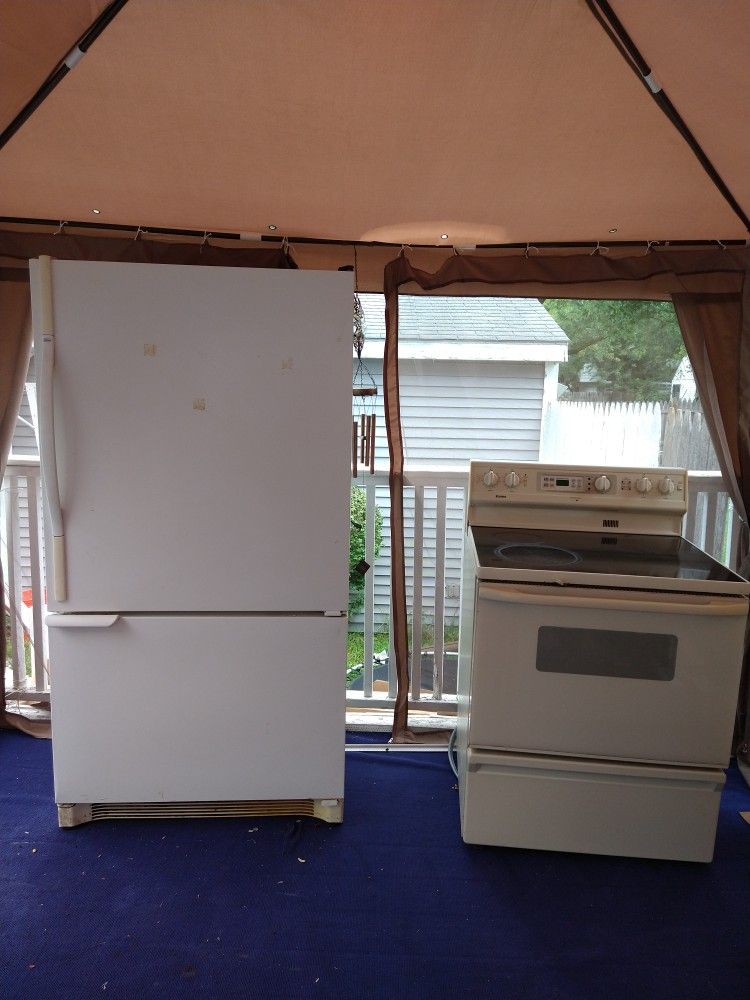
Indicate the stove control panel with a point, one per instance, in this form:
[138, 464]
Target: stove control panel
[501, 485]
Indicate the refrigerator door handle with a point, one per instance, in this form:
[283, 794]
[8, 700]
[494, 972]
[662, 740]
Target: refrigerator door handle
[80, 621]
[48, 456]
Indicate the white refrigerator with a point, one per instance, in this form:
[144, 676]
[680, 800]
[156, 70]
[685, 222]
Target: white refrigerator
[195, 438]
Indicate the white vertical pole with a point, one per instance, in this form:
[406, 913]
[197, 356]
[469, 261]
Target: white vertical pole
[437, 669]
[14, 585]
[369, 588]
[416, 608]
[37, 635]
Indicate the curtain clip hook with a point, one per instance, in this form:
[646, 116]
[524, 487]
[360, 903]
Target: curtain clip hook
[529, 248]
[204, 241]
[722, 245]
[598, 249]
[60, 228]
[137, 233]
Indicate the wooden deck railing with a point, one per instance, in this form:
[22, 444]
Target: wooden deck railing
[710, 524]
[434, 504]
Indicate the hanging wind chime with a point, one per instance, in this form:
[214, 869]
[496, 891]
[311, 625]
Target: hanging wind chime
[364, 393]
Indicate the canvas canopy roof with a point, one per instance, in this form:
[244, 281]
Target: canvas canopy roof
[489, 122]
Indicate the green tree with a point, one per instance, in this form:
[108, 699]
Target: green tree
[358, 513]
[634, 346]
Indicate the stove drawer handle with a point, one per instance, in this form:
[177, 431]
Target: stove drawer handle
[726, 608]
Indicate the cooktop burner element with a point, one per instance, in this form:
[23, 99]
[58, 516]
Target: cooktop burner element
[536, 554]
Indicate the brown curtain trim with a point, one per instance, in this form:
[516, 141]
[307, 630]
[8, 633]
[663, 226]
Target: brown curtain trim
[711, 328]
[648, 275]
[704, 270]
[24, 246]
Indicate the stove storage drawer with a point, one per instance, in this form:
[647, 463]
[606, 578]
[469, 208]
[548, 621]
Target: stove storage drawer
[592, 807]
[606, 674]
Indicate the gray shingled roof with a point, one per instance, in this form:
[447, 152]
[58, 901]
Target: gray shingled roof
[462, 319]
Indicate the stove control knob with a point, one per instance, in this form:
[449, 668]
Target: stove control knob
[512, 480]
[666, 486]
[602, 484]
[489, 479]
[643, 485]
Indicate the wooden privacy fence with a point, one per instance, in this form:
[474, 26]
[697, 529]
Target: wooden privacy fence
[685, 439]
[647, 434]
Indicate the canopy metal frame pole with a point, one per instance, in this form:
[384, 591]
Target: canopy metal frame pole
[627, 48]
[75, 55]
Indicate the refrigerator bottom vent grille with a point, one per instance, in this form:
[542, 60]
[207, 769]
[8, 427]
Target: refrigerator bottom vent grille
[74, 814]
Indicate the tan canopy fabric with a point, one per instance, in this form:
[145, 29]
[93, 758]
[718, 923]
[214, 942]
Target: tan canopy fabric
[489, 121]
[711, 292]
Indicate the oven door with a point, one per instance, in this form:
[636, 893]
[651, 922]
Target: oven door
[605, 673]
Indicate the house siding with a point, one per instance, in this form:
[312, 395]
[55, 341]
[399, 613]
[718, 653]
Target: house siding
[451, 412]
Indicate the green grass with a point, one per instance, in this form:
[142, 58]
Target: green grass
[355, 649]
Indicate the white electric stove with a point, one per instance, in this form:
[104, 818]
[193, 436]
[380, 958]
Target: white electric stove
[600, 659]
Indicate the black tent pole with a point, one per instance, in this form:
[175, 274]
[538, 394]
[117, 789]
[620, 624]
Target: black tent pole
[627, 48]
[74, 56]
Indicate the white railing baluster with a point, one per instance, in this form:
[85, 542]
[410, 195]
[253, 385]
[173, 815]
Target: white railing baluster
[439, 621]
[37, 635]
[734, 536]
[369, 633]
[689, 525]
[416, 607]
[14, 584]
[712, 531]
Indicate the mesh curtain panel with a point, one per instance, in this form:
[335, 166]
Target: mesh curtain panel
[711, 293]
[16, 249]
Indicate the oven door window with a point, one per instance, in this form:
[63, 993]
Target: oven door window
[606, 653]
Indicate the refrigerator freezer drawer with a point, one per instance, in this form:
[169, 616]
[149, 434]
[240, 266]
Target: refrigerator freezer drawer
[175, 708]
[591, 807]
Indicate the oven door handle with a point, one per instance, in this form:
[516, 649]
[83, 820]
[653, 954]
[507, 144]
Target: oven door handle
[683, 604]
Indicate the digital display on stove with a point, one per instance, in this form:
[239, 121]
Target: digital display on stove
[574, 484]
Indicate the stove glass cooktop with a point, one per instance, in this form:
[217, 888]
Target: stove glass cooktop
[590, 552]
